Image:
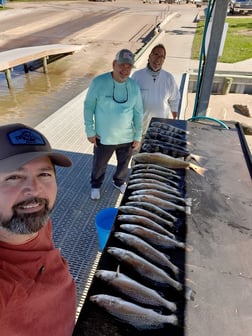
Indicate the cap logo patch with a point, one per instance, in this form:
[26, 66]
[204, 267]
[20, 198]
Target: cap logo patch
[127, 54]
[25, 136]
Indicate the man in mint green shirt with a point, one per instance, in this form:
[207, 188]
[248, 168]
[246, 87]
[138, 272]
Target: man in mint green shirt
[113, 115]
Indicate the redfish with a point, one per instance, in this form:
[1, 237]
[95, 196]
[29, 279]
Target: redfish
[167, 161]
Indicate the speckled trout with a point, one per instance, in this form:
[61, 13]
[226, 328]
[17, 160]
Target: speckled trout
[152, 237]
[154, 208]
[145, 268]
[164, 204]
[134, 289]
[155, 177]
[137, 210]
[167, 161]
[163, 195]
[166, 170]
[150, 184]
[144, 221]
[133, 314]
[166, 126]
[147, 251]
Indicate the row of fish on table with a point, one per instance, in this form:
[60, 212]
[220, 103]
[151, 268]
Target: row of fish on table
[148, 229]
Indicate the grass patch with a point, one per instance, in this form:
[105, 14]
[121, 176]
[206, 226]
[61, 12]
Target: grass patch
[238, 44]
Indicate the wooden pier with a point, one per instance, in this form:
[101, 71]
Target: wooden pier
[14, 57]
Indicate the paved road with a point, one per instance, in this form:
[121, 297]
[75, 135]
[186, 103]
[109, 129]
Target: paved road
[32, 24]
[101, 28]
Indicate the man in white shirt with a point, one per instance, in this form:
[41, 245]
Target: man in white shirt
[159, 90]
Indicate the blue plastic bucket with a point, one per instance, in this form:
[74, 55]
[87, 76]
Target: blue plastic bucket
[103, 223]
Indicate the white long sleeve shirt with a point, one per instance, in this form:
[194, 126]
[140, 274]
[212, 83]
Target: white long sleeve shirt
[160, 94]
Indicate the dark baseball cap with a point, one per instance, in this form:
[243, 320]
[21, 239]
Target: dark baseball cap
[125, 56]
[20, 144]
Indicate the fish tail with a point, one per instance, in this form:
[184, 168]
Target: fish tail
[171, 306]
[189, 293]
[188, 248]
[188, 210]
[172, 319]
[133, 162]
[118, 270]
[195, 157]
[200, 170]
[188, 201]
[181, 245]
[176, 272]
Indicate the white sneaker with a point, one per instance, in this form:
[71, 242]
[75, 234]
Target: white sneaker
[122, 187]
[95, 193]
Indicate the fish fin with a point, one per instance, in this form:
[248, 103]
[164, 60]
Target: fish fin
[200, 170]
[195, 157]
[133, 162]
[188, 210]
[189, 293]
[188, 248]
[176, 272]
[118, 270]
[188, 201]
[167, 255]
[172, 319]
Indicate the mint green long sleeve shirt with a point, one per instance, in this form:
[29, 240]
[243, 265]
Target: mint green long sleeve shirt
[115, 122]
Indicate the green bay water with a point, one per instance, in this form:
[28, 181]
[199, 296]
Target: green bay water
[36, 95]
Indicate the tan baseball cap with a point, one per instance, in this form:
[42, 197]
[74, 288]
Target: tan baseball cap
[20, 144]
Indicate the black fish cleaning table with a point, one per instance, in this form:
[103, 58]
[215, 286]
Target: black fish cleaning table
[217, 266]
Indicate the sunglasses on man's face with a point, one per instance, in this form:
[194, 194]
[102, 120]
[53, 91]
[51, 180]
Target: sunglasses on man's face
[120, 101]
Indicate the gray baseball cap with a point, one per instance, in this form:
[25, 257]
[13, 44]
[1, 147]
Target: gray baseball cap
[125, 56]
[20, 144]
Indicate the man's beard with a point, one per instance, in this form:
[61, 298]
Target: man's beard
[28, 223]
